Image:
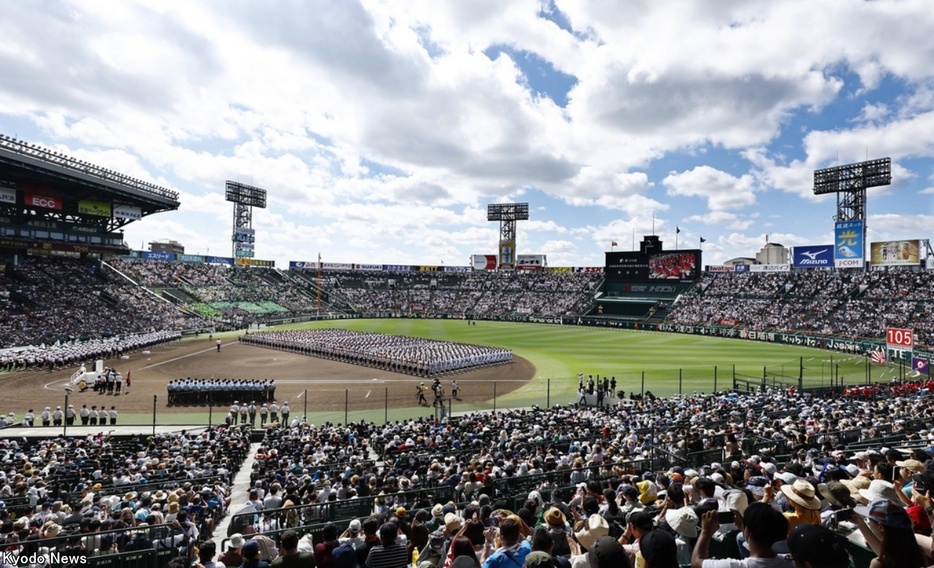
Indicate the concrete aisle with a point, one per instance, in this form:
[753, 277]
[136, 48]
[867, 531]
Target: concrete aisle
[239, 491]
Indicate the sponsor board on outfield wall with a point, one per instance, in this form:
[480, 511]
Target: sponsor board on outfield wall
[770, 268]
[7, 195]
[848, 244]
[96, 208]
[893, 253]
[812, 256]
[128, 212]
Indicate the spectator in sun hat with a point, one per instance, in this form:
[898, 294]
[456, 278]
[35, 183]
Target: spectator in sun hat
[801, 495]
[889, 534]
[587, 532]
[648, 492]
[814, 546]
[878, 489]
[838, 496]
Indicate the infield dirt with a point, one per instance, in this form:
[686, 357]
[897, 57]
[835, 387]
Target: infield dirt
[327, 382]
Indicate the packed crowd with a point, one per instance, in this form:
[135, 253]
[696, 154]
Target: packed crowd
[476, 293]
[230, 292]
[580, 486]
[410, 355]
[841, 303]
[95, 496]
[45, 300]
[637, 484]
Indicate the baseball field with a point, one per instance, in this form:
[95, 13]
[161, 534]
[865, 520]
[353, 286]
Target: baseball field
[547, 360]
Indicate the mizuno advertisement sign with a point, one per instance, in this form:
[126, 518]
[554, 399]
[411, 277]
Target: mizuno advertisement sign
[812, 256]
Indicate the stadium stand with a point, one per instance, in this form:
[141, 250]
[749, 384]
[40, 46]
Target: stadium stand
[841, 303]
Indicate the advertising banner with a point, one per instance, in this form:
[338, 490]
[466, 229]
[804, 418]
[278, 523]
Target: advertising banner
[336, 266]
[128, 212]
[191, 258]
[483, 261]
[369, 267]
[428, 268]
[589, 269]
[149, 255]
[848, 244]
[44, 201]
[894, 253]
[8, 195]
[98, 208]
[720, 268]
[299, 264]
[530, 261]
[812, 256]
[559, 269]
[398, 267]
[507, 250]
[740, 268]
[220, 260]
[457, 269]
[921, 365]
[770, 268]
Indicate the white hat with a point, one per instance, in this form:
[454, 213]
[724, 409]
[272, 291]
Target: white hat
[236, 541]
[879, 489]
[591, 530]
[683, 521]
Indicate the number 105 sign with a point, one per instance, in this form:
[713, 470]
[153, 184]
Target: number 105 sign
[895, 337]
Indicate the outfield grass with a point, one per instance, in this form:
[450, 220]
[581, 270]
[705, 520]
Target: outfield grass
[671, 363]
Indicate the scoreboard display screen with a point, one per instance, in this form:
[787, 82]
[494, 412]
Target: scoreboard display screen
[635, 266]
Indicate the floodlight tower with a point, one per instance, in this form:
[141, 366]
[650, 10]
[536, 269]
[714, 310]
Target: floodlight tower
[850, 182]
[507, 214]
[245, 198]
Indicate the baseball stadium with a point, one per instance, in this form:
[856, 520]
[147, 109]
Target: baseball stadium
[161, 406]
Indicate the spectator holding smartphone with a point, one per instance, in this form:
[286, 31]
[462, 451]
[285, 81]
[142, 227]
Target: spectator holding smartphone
[889, 535]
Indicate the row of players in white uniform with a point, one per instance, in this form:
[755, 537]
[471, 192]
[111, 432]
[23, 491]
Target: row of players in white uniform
[70, 352]
[48, 417]
[398, 353]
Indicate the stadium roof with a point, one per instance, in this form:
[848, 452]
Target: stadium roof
[41, 170]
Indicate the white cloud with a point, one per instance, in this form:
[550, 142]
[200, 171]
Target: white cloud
[382, 128]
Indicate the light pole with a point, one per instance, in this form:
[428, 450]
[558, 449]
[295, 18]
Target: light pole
[65, 415]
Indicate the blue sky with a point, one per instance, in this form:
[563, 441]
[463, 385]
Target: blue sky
[382, 129]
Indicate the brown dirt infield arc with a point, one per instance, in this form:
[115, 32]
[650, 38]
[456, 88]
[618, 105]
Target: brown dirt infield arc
[326, 381]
